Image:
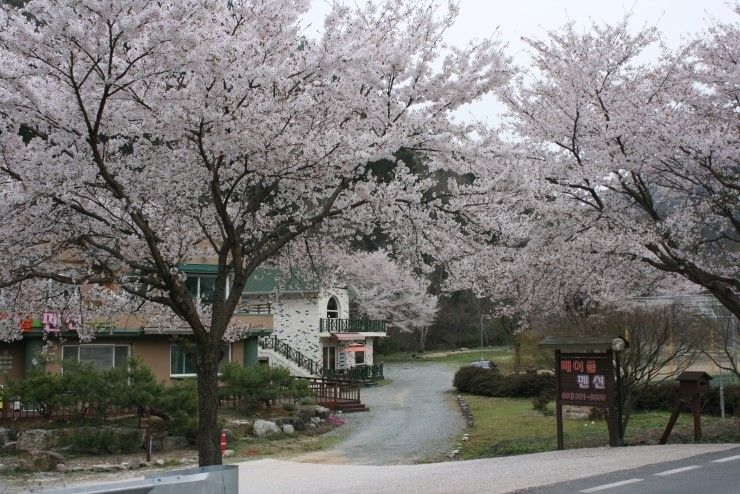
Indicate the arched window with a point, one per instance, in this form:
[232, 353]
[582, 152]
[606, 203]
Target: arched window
[332, 309]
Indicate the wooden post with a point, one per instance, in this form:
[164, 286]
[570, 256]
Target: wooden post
[612, 416]
[558, 404]
[671, 422]
[696, 408]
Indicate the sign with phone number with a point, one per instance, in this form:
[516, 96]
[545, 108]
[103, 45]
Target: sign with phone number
[585, 379]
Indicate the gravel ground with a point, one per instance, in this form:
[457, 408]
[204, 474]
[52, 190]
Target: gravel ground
[412, 419]
[494, 475]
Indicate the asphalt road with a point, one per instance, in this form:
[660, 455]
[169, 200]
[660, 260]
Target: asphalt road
[412, 419]
[715, 473]
[553, 471]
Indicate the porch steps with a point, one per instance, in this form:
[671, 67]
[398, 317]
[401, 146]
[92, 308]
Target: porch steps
[344, 407]
[353, 407]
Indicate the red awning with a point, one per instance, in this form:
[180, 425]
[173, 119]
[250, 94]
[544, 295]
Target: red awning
[356, 348]
[349, 336]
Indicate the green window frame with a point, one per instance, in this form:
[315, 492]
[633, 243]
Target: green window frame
[180, 366]
[100, 355]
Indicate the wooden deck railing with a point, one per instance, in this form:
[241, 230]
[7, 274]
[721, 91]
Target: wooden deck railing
[330, 393]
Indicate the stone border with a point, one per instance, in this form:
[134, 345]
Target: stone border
[465, 408]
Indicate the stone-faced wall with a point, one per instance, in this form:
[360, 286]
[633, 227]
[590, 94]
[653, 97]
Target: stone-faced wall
[297, 322]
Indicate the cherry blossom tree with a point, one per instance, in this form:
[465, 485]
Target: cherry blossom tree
[390, 290]
[137, 136]
[627, 178]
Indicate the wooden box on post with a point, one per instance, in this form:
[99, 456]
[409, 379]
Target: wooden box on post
[692, 383]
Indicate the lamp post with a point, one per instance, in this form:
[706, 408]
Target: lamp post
[618, 346]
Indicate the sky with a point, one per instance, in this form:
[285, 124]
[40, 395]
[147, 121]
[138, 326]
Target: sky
[512, 19]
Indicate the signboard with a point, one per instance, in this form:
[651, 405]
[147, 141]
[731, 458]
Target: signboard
[585, 379]
[53, 322]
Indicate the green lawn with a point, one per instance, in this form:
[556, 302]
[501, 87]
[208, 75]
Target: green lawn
[502, 356]
[507, 426]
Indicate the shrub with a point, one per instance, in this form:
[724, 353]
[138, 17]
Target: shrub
[40, 388]
[540, 402]
[487, 382]
[655, 397]
[94, 440]
[260, 384]
[664, 396]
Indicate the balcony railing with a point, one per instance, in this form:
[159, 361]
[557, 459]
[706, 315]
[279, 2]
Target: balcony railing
[351, 326]
[364, 373]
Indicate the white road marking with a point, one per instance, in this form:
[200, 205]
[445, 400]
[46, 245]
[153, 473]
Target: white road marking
[728, 458]
[678, 470]
[613, 484]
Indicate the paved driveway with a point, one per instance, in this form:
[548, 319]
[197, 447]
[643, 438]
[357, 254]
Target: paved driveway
[412, 419]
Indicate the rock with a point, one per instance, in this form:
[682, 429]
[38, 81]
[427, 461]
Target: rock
[174, 442]
[157, 446]
[62, 467]
[184, 461]
[103, 467]
[316, 420]
[4, 435]
[124, 465]
[322, 412]
[263, 428]
[36, 440]
[24, 465]
[311, 425]
[9, 447]
[159, 462]
[143, 464]
[283, 421]
[243, 427]
[46, 460]
[288, 429]
[228, 452]
[453, 453]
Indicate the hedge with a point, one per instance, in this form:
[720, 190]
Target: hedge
[664, 396]
[488, 382]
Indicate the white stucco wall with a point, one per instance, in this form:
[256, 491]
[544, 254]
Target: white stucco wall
[297, 318]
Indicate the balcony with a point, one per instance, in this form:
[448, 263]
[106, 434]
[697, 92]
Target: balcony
[351, 326]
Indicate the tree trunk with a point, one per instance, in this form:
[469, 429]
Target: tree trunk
[517, 355]
[423, 338]
[209, 452]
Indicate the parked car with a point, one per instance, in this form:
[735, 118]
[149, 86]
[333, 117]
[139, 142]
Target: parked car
[485, 364]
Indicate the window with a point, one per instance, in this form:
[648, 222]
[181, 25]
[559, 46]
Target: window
[329, 357]
[332, 308]
[359, 358]
[180, 365]
[102, 356]
[203, 285]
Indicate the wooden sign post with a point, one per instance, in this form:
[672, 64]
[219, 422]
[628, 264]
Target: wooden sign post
[586, 379]
[585, 376]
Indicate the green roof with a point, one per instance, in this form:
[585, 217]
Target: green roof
[264, 279]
